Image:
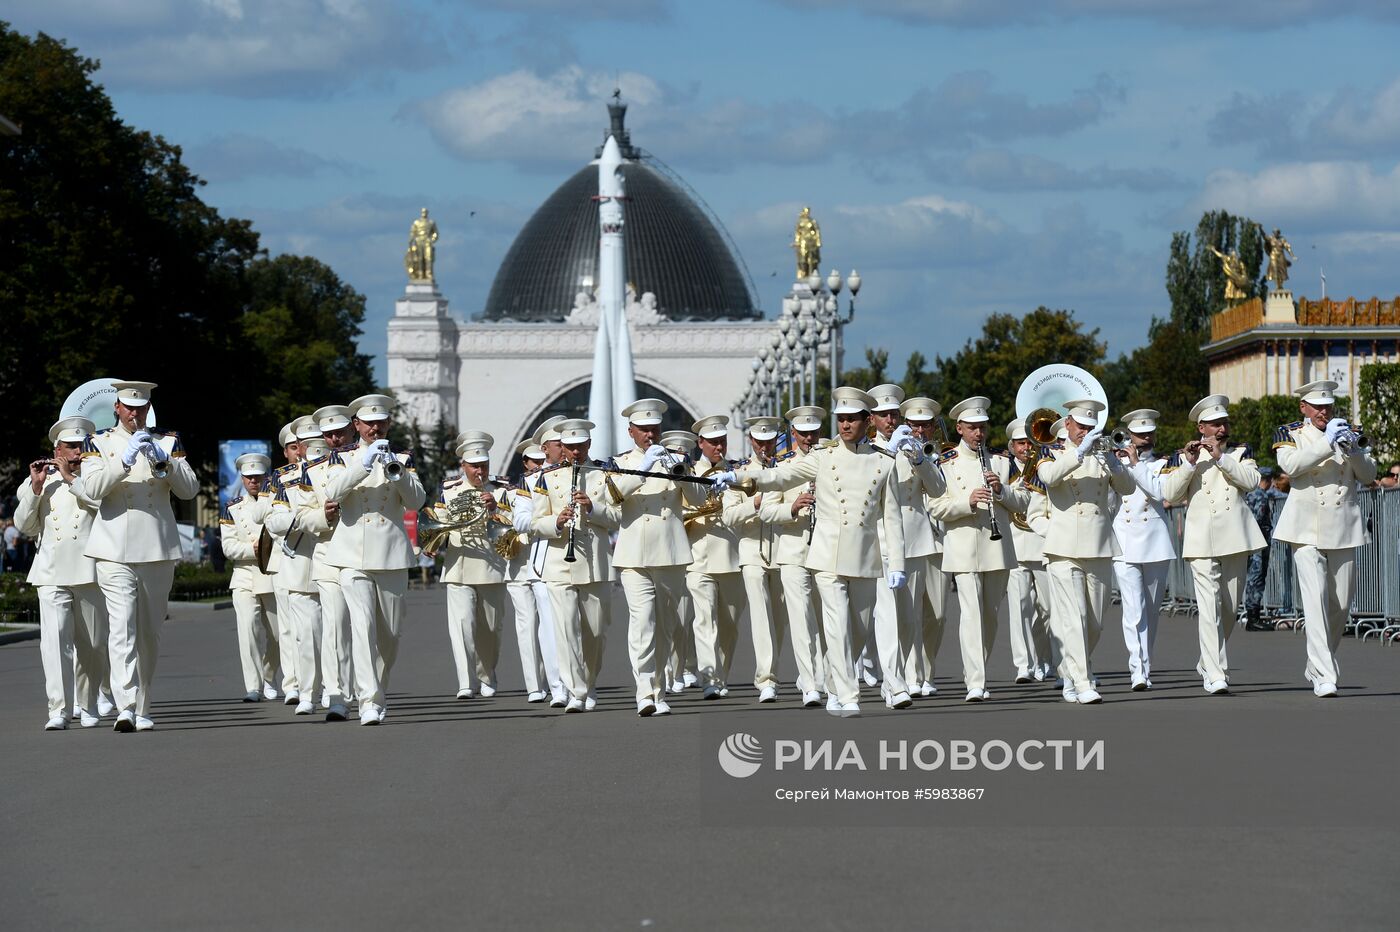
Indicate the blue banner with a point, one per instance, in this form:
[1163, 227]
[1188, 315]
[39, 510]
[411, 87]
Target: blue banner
[230, 485]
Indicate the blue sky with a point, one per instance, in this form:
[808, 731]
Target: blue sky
[967, 157]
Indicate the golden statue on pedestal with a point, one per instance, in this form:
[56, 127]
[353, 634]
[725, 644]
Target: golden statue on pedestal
[807, 242]
[418, 261]
[1236, 278]
[1280, 258]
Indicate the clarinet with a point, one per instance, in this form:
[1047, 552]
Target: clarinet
[573, 522]
[992, 505]
[811, 512]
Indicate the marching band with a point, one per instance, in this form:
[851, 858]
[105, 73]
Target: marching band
[846, 547]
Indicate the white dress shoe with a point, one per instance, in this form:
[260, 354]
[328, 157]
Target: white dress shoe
[291, 697]
[662, 708]
[1325, 690]
[1069, 694]
[832, 703]
[144, 724]
[710, 692]
[1218, 688]
[1139, 683]
[558, 702]
[325, 699]
[590, 703]
[57, 722]
[768, 694]
[646, 707]
[487, 691]
[574, 705]
[252, 695]
[1023, 677]
[369, 714]
[305, 707]
[536, 696]
[104, 705]
[927, 689]
[1089, 697]
[850, 709]
[464, 694]
[269, 691]
[1038, 675]
[723, 692]
[690, 680]
[337, 712]
[973, 695]
[87, 719]
[676, 688]
[125, 722]
[811, 700]
[900, 700]
[870, 679]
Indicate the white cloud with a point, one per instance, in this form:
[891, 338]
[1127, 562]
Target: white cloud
[238, 156]
[1002, 170]
[1249, 14]
[1322, 195]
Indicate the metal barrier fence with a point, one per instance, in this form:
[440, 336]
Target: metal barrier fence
[1375, 606]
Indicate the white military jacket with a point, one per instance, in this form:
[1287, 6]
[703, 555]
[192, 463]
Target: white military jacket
[284, 516]
[311, 517]
[751, 521]
[967, 534]
[789, 530]
[239, 530]
[651, 532]
[1141, 528]
[1321, 510]
[135, 523]
[1081, 498]
[370, 534]
[1029, 541]
[714, 546]
[592, 562]
[854, 494]
[1218, 522]
[470, 559]
[915, 487]
[60, 516]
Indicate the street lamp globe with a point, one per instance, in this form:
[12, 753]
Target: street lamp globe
[854, 281]
[833, 281]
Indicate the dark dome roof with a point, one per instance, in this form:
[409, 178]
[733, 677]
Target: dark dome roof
[672, 247]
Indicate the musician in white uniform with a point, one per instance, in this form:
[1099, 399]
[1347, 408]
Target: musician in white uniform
[652, 551]
[900, 613]
[854, 493]
[884, 418]
[291, 563]
[373, 486]
[72, 616]
[1212, 477]
[1326, 462]
[1079, 482]
[254, 604]
[573, 515]
[929, 617]
[713, 579]
[763, 589]
[135, 541]
[1147, 547]
[472, 570]
[791, 513]
[539, 667]
[1028, 583]
[319, 517]
[681, 667]
[286, 615]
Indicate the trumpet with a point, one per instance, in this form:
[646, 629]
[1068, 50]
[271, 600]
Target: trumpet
[159, 468]
[929, 449]
[393, 469]
[675, 465]
[1353, 434]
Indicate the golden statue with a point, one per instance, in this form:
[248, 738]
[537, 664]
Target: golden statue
[1236, 278]
[1280, 258]
[807, 242]
[418, 261]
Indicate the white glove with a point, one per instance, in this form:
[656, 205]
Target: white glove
[724, 480]
[896, 579]
[651, 456]
[154, 451]
[371, 455]
[133, 449]
[1087, 443]
[901, 434]
[1335, 427]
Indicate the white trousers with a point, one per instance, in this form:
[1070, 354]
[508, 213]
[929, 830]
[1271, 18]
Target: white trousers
[848, 605]
[718, 599]
[979, 599]
[474, 628]
[763, 589]
[680, 636]
[800, 609]
[898, 615]
[1325, 581]
[374, 600]
[1219, 582]
[337, 652]
[1140, 586]
[1078, 593]
[529, 637]
[136, 595]
[647, 589]
[258, 654]
[929, 616]
[286, 640]
[581, 613]
[306, 628]
[1028, 616]
[72, 645]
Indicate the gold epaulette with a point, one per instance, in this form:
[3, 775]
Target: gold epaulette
[1283, 436]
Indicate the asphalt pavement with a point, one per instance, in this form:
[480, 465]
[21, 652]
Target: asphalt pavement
[1267, 808]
